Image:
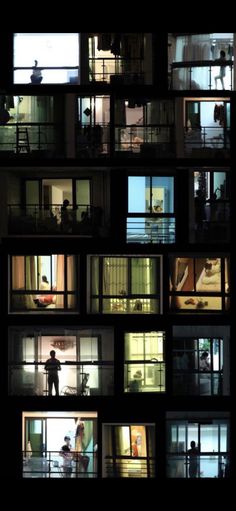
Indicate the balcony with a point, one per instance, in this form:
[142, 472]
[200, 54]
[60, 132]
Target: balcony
[82, 220]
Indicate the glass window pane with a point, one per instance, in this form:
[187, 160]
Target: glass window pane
[192, 431]
[143, 275]
[223, 438]
[95, 275]
[216, 354]
[139, 194]
[209, 438]
[163, 194]
[88, 348]
[115, 276]
[50, 50]
[138, 441]
[45, 273]
[83, 191]
[122, 436]
[32, 192]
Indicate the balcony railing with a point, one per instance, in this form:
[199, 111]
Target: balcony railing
[207, 141]
[31, 138]
[150, 229]
[210, 465]
[151, 375]
[92, 141]
[200, 75]
[50, 74]
[198, 383]
[152, 140]
[128, 466]
[82, 219]
[90, 378]
[116, 69]
[215, 226]
[47, 464]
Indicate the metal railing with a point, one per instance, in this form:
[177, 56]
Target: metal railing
[150, 229]
[198, 383]
[150, 140]
[90, 378]
[47, 464]
[92, 141]
[129, 466]
[199, 74]
[81, 219]
[209, 465]
[213, 138]
[28, 137]
[124, 70]
[150, 377]
[71, 75]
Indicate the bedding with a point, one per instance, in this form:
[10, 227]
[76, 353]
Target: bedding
[209, 283]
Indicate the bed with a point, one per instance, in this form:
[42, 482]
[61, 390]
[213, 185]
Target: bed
[209, 281]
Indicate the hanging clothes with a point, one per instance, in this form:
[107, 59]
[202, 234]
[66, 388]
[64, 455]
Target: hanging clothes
[115, 44]
[219, 114]
[104, 42]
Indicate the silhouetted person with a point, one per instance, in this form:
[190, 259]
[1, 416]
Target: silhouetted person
[36, 76]
[221, 75]
[193, 460]
[67, 456]
[52, 366]
[66, 221]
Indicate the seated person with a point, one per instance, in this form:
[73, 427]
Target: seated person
[136, 383]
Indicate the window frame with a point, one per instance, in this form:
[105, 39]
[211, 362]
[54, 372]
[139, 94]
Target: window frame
[128, 296]
[25, 291]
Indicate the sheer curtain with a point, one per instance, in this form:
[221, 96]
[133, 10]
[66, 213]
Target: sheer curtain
[71, 285]
[143, 276]
[174, 302]
[60, 280]
[31, 279]
[115, 276]
[18, 272]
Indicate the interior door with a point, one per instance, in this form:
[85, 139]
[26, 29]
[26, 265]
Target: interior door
[35, 436]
